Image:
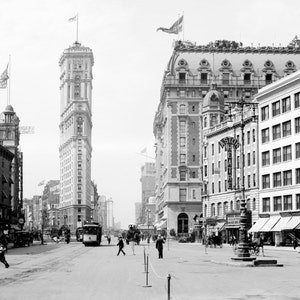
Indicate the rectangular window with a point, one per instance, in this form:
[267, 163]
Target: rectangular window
[182, 127]
[219, 185]
[205, 152]
[287, 202]
[249, 181]
[297, 150]
[265, 113]
[266, 181]
[253, 136]
[286, 128]
[247, 78]
[212, 149]
[205, 170]
[212, 188]
[248, 137]
[212, 168]
[276, 132]
[265, 135]
[182, 195]
[181, 77]
[182, 158]
[297, 171]
[182, 109]
[276, 108]
[238, 162]
[297, 100]
[276, 179]
[265, 158]
[287, 177]
[225, 78]
[268, 78]
[277, 203]
[182, 175]
[297, 201]
[194, 194]
[182, 142]
[248, 159]
[203, 78]
[286, 104]
[287, 153]
[194, 157]
[254, 180]
[253, 158]
[265, 204]
[297, 125]
[277, 156]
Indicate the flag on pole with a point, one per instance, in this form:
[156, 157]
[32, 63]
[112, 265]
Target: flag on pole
[4, 77]
[144, 150]
[175, 28]
[73, 19]
[41, 183]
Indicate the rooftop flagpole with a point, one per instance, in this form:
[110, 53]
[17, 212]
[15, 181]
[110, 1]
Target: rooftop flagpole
[9, 82]
[77, 18]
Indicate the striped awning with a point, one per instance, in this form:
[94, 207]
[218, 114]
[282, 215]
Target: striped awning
[280, 224]
[292, 224]
[270, 224]
[258, 225]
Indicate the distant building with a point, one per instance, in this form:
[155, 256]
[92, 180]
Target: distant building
[75, 151]
[148, 186]
[105, 213]
[10, 139]
[138, 212]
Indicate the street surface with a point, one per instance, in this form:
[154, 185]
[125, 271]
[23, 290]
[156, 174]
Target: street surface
[72, 271]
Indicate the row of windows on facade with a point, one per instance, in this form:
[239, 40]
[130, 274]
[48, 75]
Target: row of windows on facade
[280, 130]
[281, 203]
[238, 164]
[280, 106]
[221, 209]
[283, 178]
[251, 182]
[226, 78]
[280, 155]
[184, 93]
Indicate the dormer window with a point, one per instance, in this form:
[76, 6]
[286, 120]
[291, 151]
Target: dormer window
[247, 78]
[268, 78]
[182, 77]
[203, 78]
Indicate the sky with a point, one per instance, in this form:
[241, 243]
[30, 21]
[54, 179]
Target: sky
[130, 59]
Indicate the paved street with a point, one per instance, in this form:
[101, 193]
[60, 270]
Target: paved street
[61, 271]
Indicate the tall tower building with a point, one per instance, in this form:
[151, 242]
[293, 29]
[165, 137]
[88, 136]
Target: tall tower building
[75, 126]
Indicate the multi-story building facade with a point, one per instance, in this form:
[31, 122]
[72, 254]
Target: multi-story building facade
[148, 187]
[10, 139]
[138, 212]
[237, 72]
[75, 149]
[279, 159]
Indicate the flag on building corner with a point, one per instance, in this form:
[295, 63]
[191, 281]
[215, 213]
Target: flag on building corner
[73, 19]
[4, 77]
[175, 28]
[41, 183]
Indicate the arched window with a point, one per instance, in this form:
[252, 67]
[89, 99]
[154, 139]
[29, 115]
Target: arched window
[231, 205]
[238, 205]
[225, 208]
[219, 209]
[213, 210]
[205, 210]
[254, 204]
[182, 224]
[248, 204]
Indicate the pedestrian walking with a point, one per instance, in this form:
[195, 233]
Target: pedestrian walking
[159, 246]
[121, 246]
[295, 243]
[3, 248]
[108, 239]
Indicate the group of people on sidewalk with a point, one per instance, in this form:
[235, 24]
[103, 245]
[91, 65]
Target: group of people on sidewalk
[158, 244]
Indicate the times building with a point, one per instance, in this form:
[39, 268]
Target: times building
[199, 85]
[75, 151]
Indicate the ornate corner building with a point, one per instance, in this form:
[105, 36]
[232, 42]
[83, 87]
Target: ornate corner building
[75, 126]
[198, 85]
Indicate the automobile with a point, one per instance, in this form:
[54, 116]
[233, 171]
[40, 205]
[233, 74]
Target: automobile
[21, 238]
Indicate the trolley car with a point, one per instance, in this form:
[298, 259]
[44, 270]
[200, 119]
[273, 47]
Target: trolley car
[92, 234]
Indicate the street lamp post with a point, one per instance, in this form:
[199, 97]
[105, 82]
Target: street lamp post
[148, 238]
[243, 252]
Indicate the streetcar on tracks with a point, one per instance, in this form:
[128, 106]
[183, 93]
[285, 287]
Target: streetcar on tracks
[91, 234]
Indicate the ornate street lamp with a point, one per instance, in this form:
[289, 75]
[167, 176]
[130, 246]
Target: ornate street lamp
[243, 252]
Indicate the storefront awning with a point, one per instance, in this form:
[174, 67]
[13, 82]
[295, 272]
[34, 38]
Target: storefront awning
[292, 224]
[280, 224]
[269, 225]
[258, 225]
